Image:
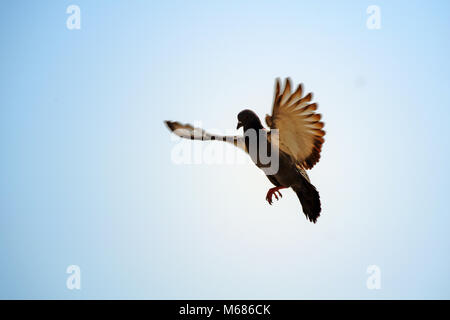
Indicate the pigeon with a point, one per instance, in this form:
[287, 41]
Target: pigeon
[296, 134]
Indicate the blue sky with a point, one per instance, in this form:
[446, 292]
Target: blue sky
[88, 179]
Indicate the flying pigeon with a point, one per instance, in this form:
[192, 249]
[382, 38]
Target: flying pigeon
[297, 134]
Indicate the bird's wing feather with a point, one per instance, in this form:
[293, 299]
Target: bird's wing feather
[187, 131]
[300, 128]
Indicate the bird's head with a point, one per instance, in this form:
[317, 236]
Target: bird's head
[248, 119]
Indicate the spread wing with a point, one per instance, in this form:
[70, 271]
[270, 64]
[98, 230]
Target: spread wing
[187, 131]
[300, 128]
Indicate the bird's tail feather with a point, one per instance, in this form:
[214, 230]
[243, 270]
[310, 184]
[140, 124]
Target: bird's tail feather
[309, 198]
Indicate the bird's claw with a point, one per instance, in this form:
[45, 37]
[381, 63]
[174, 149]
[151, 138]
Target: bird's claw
[273, 192]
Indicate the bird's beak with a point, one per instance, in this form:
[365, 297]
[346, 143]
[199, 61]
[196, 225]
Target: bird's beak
[239, 125]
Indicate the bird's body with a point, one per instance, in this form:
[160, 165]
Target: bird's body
[293, 144]
[289, 173]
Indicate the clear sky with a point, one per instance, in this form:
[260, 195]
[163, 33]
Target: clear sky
[87, 176]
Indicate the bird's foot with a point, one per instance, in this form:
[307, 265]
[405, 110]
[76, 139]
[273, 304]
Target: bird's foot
[273, 192]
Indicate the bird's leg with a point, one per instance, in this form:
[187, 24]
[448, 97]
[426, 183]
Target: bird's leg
[273, 192]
